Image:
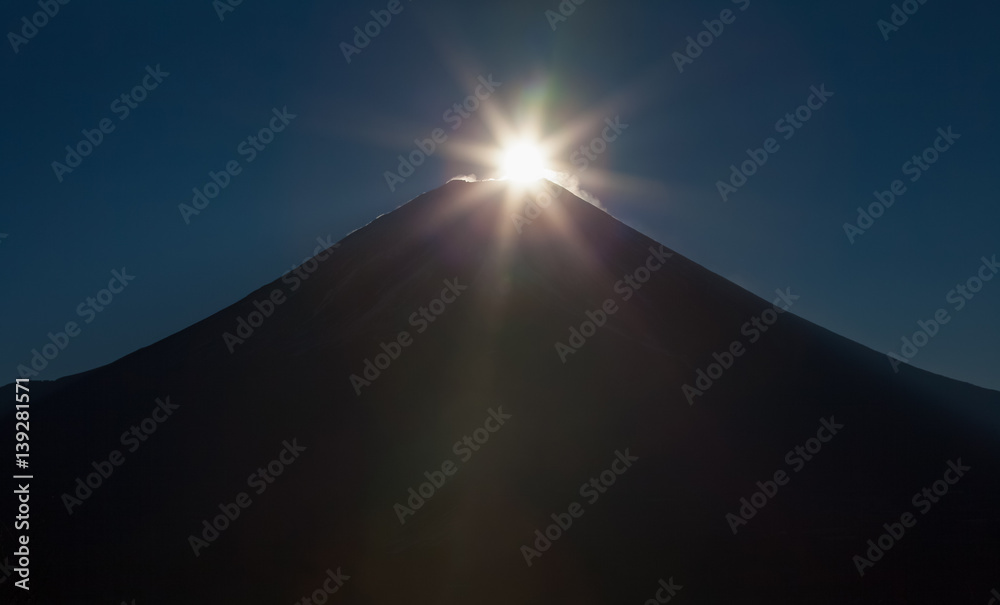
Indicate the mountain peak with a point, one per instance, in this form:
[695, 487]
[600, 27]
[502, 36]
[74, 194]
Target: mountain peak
[453, 379]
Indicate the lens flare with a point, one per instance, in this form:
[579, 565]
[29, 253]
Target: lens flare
[523, 161]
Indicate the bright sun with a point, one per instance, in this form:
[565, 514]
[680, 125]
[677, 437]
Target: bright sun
[523, 161]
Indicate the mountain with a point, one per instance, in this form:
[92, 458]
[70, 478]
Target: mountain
[496, 396]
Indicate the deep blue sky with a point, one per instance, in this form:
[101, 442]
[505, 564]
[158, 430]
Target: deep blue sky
[324, 173]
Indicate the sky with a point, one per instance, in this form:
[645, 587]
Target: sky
[170, 93]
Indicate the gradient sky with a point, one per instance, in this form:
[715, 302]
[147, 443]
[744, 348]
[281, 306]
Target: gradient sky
[324, 174]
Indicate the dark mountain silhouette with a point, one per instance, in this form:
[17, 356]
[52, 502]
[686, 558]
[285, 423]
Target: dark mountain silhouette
[487, 367]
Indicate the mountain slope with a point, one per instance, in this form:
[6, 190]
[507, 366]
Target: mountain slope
[679, 462]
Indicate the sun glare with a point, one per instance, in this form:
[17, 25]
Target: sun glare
[523, 161]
